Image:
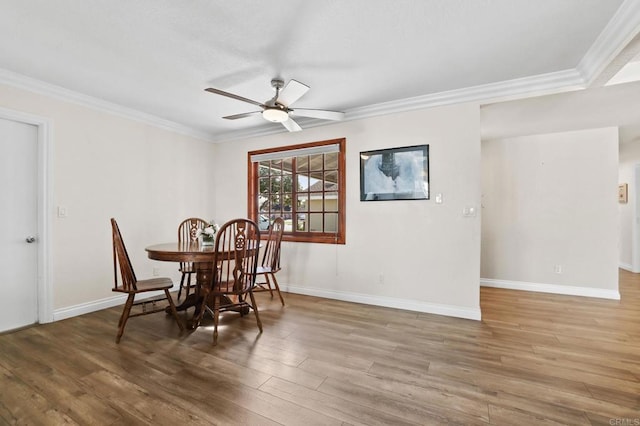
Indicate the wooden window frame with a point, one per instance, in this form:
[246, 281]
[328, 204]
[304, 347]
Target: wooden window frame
[302, 236]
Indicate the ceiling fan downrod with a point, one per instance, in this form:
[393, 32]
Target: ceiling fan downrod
[277, 85]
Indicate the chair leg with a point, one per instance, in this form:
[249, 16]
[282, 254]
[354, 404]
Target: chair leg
[266, 278]
[181, 285]
[188, 285]
[216, 317]
[173, 309]
[275, 283]
[125, 316]
[255, 310]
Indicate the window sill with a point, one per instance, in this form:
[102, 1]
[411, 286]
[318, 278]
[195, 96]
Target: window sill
[306, 238]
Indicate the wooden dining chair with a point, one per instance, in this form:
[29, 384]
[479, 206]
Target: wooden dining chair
[187, 231]
[132, 286]
[271, 260]
[235, 261]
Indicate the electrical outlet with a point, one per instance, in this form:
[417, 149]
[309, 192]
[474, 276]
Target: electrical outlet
[557, 269]
[156, 272]
[469, 211]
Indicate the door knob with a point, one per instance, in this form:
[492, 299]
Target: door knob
[30, 239]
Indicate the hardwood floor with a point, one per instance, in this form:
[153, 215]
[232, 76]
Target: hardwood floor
[534, 359]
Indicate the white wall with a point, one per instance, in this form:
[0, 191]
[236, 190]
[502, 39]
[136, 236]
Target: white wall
[600, 107]
[427, 252]
[105, 166]
[552, 200]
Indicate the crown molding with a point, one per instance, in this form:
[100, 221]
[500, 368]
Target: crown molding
[510, 89]
[620, 30]
[40, 87]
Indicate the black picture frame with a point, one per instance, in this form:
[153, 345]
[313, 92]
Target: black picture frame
[395, 174]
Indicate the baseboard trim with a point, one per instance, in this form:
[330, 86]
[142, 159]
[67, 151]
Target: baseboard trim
[390, 302]
[551, 288]
[626, 267]
[96, 305]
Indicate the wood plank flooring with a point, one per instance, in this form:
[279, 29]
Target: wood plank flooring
[533, 359]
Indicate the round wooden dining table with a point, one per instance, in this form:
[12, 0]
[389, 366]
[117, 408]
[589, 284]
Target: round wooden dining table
[189, 252]
[181, 252]
[202, 258]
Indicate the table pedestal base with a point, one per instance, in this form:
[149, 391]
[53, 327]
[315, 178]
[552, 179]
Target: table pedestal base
[196, 301]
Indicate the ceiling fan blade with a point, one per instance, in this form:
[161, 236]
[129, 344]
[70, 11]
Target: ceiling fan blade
[291, 125]
[318, 113]
[232, 96]
[243, 115]
[292, 92]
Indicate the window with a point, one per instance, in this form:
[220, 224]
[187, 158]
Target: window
[305, 184]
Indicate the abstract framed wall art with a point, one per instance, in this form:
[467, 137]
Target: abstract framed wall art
[395, 174]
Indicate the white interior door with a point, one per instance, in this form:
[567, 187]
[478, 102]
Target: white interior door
[18, 224]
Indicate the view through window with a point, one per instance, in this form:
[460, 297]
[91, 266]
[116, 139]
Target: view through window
[304, 184]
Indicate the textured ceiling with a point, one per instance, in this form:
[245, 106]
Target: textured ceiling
[157, 56]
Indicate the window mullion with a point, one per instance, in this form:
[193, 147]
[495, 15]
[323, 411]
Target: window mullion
[294, 195]
[324, 187]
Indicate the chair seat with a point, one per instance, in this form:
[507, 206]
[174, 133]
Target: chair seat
[263, 270]
[150, 284]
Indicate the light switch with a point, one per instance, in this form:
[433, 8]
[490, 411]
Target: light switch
[62, 212]
[438, 198]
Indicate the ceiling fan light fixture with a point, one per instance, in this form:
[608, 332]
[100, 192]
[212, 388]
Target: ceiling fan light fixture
[275, 115]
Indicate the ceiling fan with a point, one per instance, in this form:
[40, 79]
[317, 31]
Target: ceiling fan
[277, 109]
